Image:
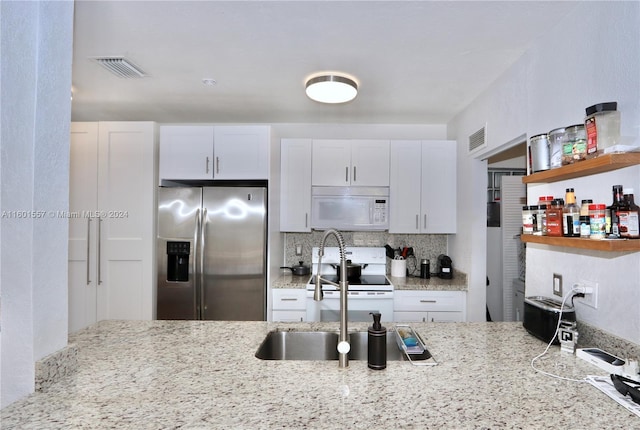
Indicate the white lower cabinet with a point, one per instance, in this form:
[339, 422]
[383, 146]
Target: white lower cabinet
[429, 306]
[289, 304]
[111, 230]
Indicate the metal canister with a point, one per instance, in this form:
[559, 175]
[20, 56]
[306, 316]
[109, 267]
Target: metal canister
[539, 152]
[425, 270]
[556, 138]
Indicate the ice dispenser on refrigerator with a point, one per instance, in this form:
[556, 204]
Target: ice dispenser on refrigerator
[178, 261]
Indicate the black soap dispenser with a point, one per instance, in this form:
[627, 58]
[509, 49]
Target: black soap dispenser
[377, 344]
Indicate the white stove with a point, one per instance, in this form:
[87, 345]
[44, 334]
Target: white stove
[372, 292]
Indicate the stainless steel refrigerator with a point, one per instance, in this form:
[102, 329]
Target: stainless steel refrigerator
[212, 253]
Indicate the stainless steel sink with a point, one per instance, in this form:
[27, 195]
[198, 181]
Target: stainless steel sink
[321, 345]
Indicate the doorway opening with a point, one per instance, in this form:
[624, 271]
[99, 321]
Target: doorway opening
[505, 256]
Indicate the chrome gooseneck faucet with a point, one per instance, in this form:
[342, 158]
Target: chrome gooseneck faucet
[343, 342]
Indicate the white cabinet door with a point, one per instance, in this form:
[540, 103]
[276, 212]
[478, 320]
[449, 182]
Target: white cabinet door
[331, 163]
[241, 152]
[370, 163]
[422, 189]
[295, 185]
[113, 184]
[339, 162]
[186, 152]
[83, 201]
[405, 186]
[439, 187]
[126, 227]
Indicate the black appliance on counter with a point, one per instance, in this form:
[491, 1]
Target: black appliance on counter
[445, 267]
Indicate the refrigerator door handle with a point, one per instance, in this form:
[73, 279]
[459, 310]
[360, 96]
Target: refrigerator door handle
[88, 249]
[99, 250]
[196, 262]
[203, 228]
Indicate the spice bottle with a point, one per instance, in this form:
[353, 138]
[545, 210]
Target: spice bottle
[554, 218]
[571, 215]
[597, 221]
[612, 228]
[541, 220]
[628, 217]
[584, 207]
[527, 220]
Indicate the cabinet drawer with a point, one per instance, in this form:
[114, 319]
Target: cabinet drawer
[441, 301]
[289, 316]
[289, 299]
[407, 317]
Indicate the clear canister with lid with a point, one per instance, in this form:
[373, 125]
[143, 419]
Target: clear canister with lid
[539, 152]
[602, 125]
[574, 144]
[597, 222]
[556, 138]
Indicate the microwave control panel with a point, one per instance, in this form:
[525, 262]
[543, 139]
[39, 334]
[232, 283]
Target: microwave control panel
[380, 211]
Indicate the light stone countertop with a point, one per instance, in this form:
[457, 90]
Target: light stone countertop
[204, 375]
[458, 283]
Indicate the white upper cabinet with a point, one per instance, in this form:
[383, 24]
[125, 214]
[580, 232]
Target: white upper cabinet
[422, 191]
[241, 152]
[186, 152]
[405, 187]
[439, 199]
[214, 152]
[295, 185]
[350, 163]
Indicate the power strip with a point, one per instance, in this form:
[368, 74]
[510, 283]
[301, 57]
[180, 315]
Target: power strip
[602, 359]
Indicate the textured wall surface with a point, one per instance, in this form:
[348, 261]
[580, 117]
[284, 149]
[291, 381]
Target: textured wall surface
[36, 49]
[565, 71]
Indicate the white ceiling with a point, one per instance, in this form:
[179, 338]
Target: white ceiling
[416, 61]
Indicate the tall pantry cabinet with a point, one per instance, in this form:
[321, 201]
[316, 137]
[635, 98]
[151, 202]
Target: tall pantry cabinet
[112, 188]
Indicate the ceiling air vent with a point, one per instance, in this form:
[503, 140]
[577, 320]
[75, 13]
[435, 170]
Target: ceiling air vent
[121, 67]
[477, 140]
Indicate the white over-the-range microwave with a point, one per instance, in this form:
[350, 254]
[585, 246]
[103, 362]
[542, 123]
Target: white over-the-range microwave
[350, 208]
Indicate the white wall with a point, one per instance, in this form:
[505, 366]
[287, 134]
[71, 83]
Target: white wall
[36, 83]
[573, 66]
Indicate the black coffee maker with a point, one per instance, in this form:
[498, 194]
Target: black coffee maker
[445, 267]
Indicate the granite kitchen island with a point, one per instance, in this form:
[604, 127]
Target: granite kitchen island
[204, 375]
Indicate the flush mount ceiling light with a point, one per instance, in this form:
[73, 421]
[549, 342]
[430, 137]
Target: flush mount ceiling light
[331, 88]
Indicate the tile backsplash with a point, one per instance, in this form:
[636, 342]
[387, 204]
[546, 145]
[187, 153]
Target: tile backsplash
[424, 245]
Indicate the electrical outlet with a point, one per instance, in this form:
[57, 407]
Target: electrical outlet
[590, 299]
[557, 284]
[298, 249]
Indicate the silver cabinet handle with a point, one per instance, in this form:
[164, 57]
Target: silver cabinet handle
[217, 165]
[417, 221]
[88, 248]
[306, 219]
[346, 174]
[428, 301]
[286, 299]
[207, 166]
[425, 220]
[99, 250]
[354, 174]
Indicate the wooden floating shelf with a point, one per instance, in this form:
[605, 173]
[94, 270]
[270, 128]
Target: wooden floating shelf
[601, 164]
[610, 245]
